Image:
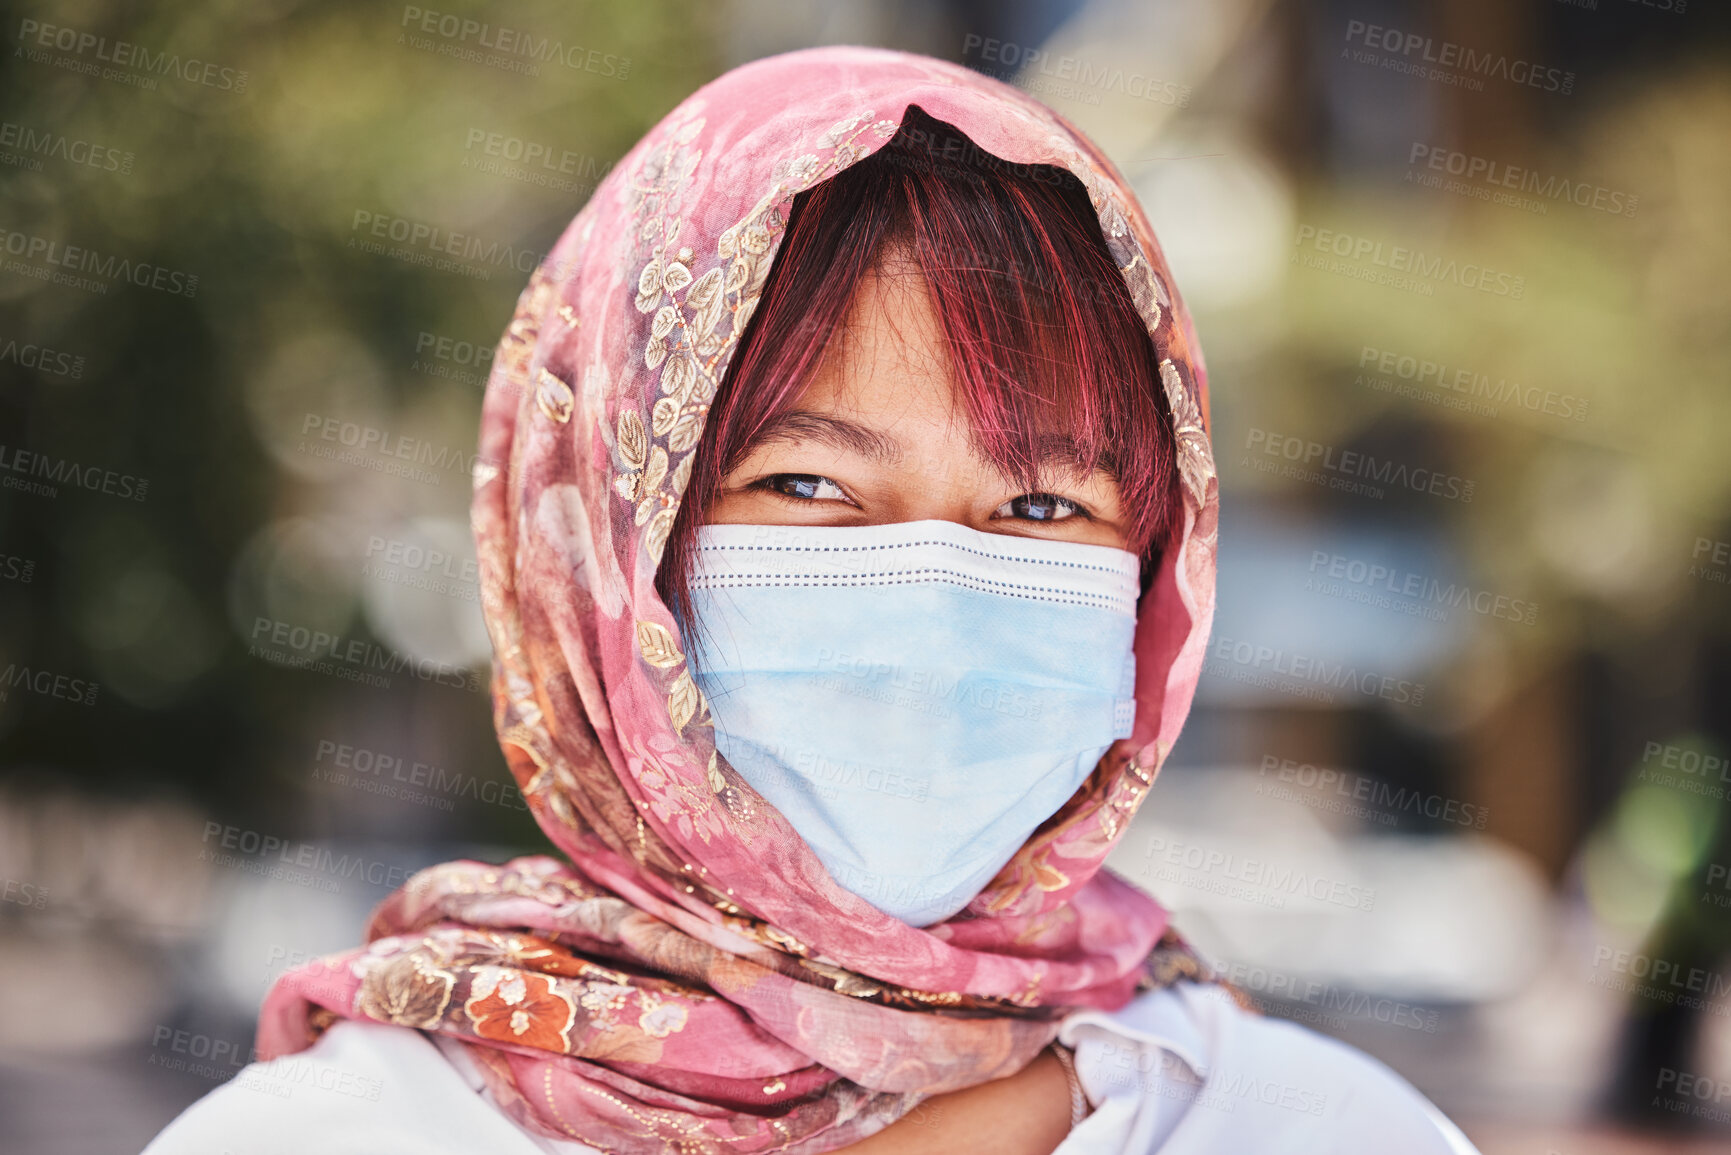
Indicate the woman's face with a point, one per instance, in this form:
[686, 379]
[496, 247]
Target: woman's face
[880, 436]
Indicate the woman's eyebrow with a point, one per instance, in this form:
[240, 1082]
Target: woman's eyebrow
[1056, 451]
[806, 425]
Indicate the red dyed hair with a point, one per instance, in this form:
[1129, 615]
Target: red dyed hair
[1047, 349]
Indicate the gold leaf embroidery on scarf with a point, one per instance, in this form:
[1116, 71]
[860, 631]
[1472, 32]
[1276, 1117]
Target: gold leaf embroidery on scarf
[782, 940]
[738, 806]
[660, 1017]
[845, 982]
[649, 286]
[1128, 792]
[657, 645]
[1144, 290]
[687, 341]
[681, 477]
[839, 130]
[1030, 995]
[321, 1019]
[553, 396]
[590, 970]
[655, 537]
[518, 344]
[407, 991]
[633, 441]
[526, 740]
[1195, 462]
[706, 299]
[647, 484]
[685, 431]
[675, 277]
[601, 999]
[663, 415]
[683, 700]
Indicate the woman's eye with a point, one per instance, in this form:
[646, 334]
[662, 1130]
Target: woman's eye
[804, 487]
[1040, 507]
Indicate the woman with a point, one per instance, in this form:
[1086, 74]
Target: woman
[846, 522]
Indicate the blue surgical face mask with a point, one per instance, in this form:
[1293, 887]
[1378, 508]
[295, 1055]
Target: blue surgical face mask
[915, 698]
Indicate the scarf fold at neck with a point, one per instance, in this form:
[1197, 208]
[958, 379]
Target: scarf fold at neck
[687, 976]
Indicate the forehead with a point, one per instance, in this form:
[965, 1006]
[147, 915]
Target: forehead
[886, 388]
[889, 355]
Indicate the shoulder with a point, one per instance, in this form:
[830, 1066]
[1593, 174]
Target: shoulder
[1192, 1071]
[362, 1088]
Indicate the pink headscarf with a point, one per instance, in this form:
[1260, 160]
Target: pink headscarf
[691, 977]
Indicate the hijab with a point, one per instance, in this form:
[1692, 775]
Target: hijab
[686, 975]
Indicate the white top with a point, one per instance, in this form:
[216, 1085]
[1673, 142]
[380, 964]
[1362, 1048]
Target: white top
[1181, 1071]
